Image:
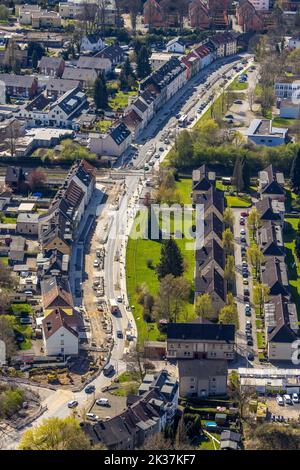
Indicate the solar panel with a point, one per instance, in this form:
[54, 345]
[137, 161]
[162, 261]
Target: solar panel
[71, 102]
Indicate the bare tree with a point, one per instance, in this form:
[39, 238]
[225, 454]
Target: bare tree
[251, 97]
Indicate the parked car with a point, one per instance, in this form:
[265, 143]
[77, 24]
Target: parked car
[102, 402]
[250, 356]
[72, 403]
[249, 342]
[295, 398]
[244, 214]
[92, 416]
[279, 400]
[119, 334]
[287, 399]
[96, 263]
[243, 239]
[243, 231]
[90, 389]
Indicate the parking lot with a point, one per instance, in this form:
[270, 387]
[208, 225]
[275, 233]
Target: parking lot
[116, 405]
[287, 411]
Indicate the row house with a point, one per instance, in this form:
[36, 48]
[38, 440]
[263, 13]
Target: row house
[113, 143]
[210, 256]
[45, 19]
[113, 52]
[57, 87]
[168, 79]
[86, 77]
[197, 340]
[102, 65]
[51, 66]
[62, 113]
[281, 323]
[225, 44]
[271, 184]
[19, 86]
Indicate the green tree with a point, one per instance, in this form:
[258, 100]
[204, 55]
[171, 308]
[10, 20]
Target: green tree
[173, 293]
[295, 173]
[4, 13]
[100, 93]
[204, 307]
[228, 241]
[228, 217]
[35, 52]
[255, 258]
[237, 178]
[171, 260]
[229, 271]
[56, 434]
[254, 222]
[143, 64]
[229, 315]
[126, 75]
[260, 296]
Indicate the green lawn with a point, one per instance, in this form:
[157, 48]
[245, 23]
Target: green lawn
[283, 122]
[238, 201]
[103, 125]
[260, 340]
[120, 101]
[292, 261]
[137, 271]
[9, 220]
[238, 86]
[4, 260]
[24, 329]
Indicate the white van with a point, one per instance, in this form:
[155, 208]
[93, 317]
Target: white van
[287, 399]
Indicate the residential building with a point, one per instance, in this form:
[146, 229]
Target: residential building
[213, 283]
[199, 16]
[288, 88]
[113, 52]
[114, 143]
[168, 79]
[43, 111]
[19, 86]
[155, 15]
[202, 378]
[99, 64]
[274, 275]
[271, 209]
[210, 255]
[92, 43]
[25, 11]
[248, 18]
[28, 223]
[192, 63]
[57, 87]
[134, 123]
[225, 43]
[17, 250]
[52, 263]
[197, 340]
[213, 229]
[271, 184]
[176, 45]
[60, 338]
[271, 239]
[52, 66]
[203, 180]
[281, 325]
[86, 77]
[143, 417]
[262, 132]
[56, 293]
[45, 19]
[212, 201]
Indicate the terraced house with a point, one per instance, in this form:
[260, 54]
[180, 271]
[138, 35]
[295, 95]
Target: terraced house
[280, 313]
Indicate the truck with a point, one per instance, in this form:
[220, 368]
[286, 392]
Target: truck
[114, 307]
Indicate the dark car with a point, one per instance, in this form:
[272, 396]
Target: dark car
[90, 389]
[250, 356]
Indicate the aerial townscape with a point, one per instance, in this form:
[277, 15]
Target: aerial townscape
[150, 225]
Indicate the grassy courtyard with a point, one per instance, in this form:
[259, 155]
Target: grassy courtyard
[238, 201]
[292, 261]
[139, 271]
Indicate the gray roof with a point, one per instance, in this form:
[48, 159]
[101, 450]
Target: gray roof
[22, 81]
[83, 75]
[50, 62]
[96, 63]
[202, 368]
[120, 133]
[200, 332]
[60, 85]
[26, 217]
